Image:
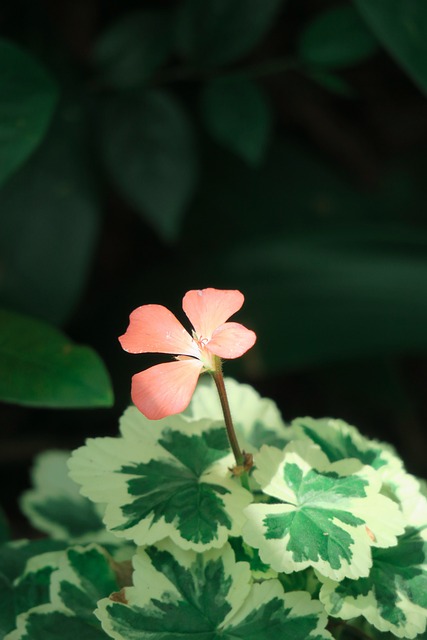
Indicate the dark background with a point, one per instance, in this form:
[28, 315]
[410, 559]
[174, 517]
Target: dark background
[191, 147]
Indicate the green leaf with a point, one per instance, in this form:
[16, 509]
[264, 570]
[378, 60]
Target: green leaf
[46, 621]
[236, 113]
[150, 154]
[27, 96]
[171, 479]
[326, 516]
[64, 599]
[207, 596]
[338, 37]
[85, 575]
[339, 440]
[41, 367]
[216, 32]
[257, 420]
[15, 555]
[402, 29]
[56, 507]
[133, 48]
[50, 219]
[32, 587]
[394, 596]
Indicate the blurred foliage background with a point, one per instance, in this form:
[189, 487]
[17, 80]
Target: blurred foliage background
[146, 148]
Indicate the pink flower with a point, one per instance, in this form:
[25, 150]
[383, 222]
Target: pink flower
[167, 388]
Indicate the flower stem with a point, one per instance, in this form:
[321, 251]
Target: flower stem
[243, 460]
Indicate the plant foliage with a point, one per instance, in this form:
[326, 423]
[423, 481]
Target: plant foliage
[331, 533]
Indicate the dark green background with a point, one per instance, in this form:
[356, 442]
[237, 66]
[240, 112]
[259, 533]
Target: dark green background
[277, 147]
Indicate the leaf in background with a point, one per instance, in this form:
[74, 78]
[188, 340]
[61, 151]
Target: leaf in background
[257, 420]
[15, 555]
[215, 32]
[207, 596]
[32, 587]
[49, 223]
[86, 574]
[150, 154]
[236, 113]
[44, 621]
[338, 37]
[27, 97]
[339, 440]
[133, 48]
[333, 294]
[172, 481]
[40, 367]
[55, 505]
[402, 29]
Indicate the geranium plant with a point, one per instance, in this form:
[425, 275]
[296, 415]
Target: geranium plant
[184, 529]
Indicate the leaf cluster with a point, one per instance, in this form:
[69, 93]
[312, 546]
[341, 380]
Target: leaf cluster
[330, 539]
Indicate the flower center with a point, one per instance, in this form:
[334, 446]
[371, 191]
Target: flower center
[206, 357]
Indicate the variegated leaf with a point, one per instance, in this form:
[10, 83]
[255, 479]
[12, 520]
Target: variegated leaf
[56, 507]
[170, 478]
[325, 515]
[257, 420]
[393, 598]
[206, 596]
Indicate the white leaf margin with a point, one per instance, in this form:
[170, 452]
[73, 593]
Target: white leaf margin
[51, 480]
[366, 606]
[380, 515]
[95, 467]
[332, 428]
[247, 407]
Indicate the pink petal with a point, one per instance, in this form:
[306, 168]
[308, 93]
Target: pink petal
[231, 340]
[165, 389]
[207, 309]
[154, 329]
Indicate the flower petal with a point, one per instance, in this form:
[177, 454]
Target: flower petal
[207, 309]
[165, 389]
[231, 340]
[154, 329]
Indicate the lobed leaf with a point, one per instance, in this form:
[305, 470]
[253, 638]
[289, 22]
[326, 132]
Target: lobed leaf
[67, 597]
[326, 515]
[86, 574]
[15, 555]
[28, 96]
[257, 420]
[339, 440]
[44, 622]
[394, 595]
[168, 480]
[209, 596]
[56, 507]
[40, 366]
